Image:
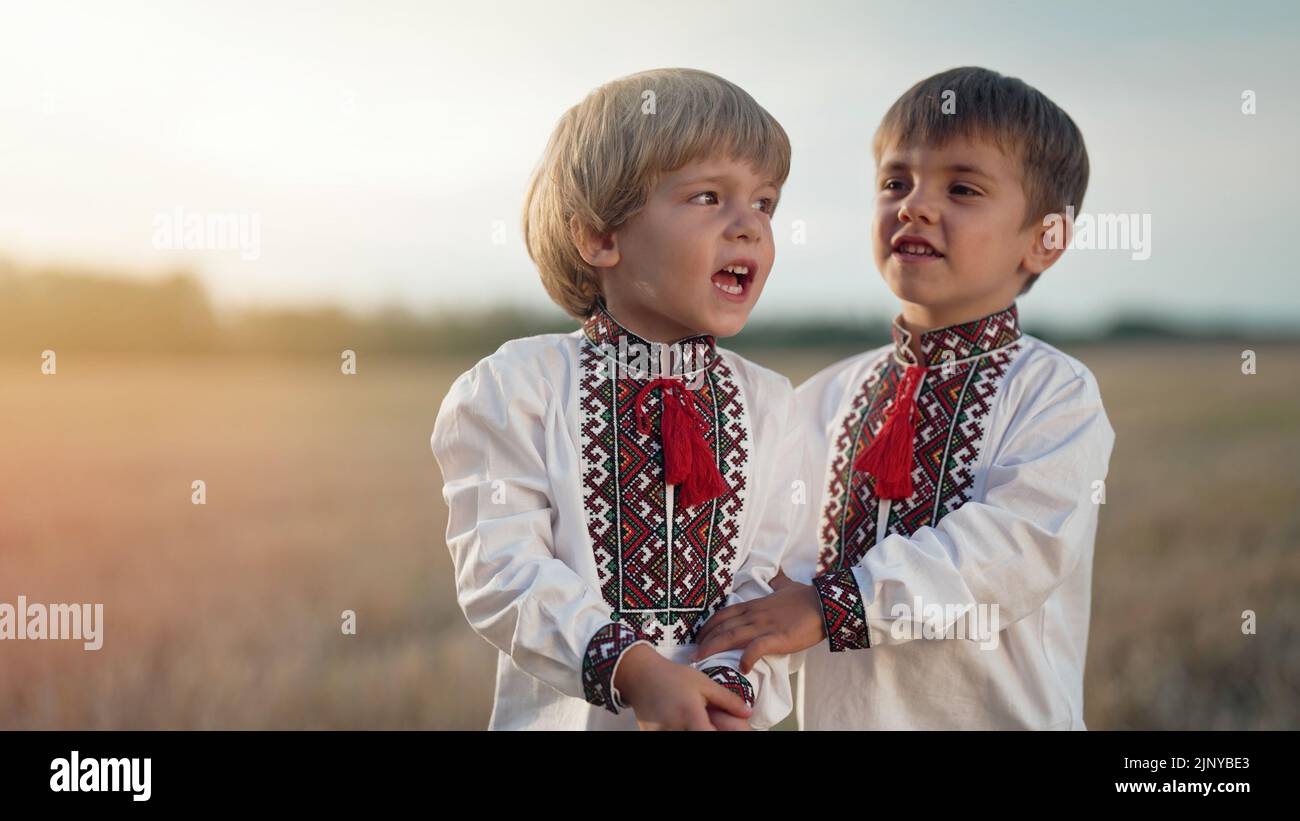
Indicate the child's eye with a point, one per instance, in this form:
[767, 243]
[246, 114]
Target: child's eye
[768, 204]
[706, 194]
[964, 190]
[892, 185]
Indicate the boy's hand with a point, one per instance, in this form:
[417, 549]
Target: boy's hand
[787, 621]
[669, 696]
[722, 720]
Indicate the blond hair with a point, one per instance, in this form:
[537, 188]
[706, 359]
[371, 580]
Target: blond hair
[607, 152]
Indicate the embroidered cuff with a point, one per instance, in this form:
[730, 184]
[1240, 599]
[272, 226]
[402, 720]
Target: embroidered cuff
[733, 681]
[842, 610]
[599, 663]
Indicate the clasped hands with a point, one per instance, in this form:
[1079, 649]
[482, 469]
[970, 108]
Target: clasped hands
[669, 696]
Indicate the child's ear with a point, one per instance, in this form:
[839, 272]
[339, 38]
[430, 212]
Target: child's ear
[597, 250]
[1048, 241]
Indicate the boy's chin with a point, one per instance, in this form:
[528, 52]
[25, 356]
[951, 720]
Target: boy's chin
[723, 323]
[909, 287]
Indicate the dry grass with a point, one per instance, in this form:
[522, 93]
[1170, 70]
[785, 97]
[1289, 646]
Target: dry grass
[322, 496]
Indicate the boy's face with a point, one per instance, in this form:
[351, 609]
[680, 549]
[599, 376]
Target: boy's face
[964, 205]
[665, 280]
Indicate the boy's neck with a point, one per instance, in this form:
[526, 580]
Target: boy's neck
[649, 326]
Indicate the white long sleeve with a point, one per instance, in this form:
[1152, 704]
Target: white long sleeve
[490, 441]
[1037, 518]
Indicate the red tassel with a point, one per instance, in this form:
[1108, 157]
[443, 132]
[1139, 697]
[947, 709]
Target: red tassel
[889, 457]
[688, 461]
[704, 482]
[675, 432]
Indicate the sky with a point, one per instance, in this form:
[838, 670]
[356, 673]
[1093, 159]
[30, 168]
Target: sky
[377, 153]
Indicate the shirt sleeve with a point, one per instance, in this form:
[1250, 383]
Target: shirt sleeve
[1038, 519]
[767, 686]
[489, 440]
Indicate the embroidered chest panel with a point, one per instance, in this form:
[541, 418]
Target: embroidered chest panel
[661, 574]
[951, 426]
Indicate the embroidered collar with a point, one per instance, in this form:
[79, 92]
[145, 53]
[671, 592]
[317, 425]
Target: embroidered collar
[645, 359]
[964, 340]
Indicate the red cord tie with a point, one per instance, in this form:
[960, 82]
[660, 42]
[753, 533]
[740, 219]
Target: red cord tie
[889, 457]
[688, 461]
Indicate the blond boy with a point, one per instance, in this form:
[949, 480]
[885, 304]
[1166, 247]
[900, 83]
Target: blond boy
[611, 488]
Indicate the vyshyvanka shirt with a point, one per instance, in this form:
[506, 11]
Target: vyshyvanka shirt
[568, 543]
[963, 602]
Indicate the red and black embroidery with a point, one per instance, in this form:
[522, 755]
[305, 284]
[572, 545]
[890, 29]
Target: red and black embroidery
[663, 573]
[848, 510]
[965, 365]
[598, 662]
[842, 610]
[733, 681]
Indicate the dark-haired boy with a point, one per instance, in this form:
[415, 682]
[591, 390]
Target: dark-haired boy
[960, 468]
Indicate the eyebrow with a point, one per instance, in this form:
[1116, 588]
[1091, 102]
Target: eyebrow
[955, 168]
[963, 168]
[720, 179]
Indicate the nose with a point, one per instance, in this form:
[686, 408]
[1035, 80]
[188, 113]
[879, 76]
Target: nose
[744, 224]
[918, 206]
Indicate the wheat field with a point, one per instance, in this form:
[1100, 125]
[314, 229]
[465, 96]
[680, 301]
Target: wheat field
[322, 496]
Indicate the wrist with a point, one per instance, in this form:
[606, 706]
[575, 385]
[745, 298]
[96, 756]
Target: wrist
[632, 668]
[813, 602]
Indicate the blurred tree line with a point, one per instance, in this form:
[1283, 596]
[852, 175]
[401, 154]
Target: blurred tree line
[68, 309]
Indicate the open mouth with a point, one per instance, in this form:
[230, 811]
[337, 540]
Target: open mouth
[915, 248]
[734, 280]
